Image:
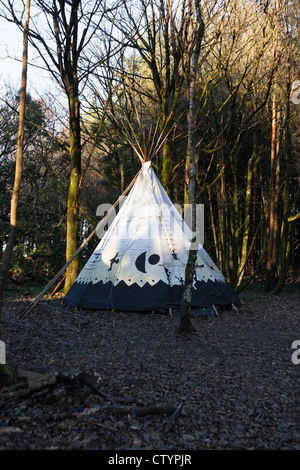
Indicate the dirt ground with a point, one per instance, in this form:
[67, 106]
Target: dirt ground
[232, 385]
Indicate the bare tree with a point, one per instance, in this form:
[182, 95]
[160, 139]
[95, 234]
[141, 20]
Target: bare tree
[19, 159]
[164, 43]
[273, 193]
[61, 33]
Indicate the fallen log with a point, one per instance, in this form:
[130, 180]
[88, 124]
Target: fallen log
[39, 379]
[41, 382]
[35, 379]
[68, 377]
[24, 374]
[32, 383]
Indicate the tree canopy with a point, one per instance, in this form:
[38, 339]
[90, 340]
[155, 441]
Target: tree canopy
[134, 60]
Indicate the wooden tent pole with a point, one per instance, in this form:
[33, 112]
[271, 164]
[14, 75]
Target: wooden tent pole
[56, 277]
[58, 286]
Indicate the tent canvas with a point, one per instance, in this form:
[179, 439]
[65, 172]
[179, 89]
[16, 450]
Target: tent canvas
[139, 264]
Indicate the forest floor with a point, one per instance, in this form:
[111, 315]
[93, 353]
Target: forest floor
[231, 385]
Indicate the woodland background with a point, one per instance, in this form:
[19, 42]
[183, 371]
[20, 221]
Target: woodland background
[114, 59]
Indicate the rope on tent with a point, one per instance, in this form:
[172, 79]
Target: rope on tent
[25, 311]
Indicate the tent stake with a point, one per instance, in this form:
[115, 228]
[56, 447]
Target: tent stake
[215, 310]
[25, 312]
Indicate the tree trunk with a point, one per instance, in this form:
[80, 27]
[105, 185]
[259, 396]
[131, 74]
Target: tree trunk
[270, 271]
[19, 160]
[187, 159]
[185, 309]
[251, 171]
[74, 188]
[284, 230]
[166, 171]
[271, 255]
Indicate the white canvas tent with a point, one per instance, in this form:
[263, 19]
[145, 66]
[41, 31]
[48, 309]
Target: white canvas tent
[139, 264]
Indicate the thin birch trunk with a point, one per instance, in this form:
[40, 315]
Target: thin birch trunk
[19, 160]
[185, 310]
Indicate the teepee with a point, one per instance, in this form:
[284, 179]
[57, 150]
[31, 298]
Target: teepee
[139, 264]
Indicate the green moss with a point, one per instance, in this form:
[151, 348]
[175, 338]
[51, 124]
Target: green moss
[5, 377]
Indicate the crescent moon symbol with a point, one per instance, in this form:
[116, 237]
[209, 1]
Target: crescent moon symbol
[140, 262]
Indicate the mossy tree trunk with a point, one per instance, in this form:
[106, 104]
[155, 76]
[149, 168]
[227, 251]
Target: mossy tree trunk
[166, 167]
[74, 188]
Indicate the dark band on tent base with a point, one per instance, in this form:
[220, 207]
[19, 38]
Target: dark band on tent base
[156, 297]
